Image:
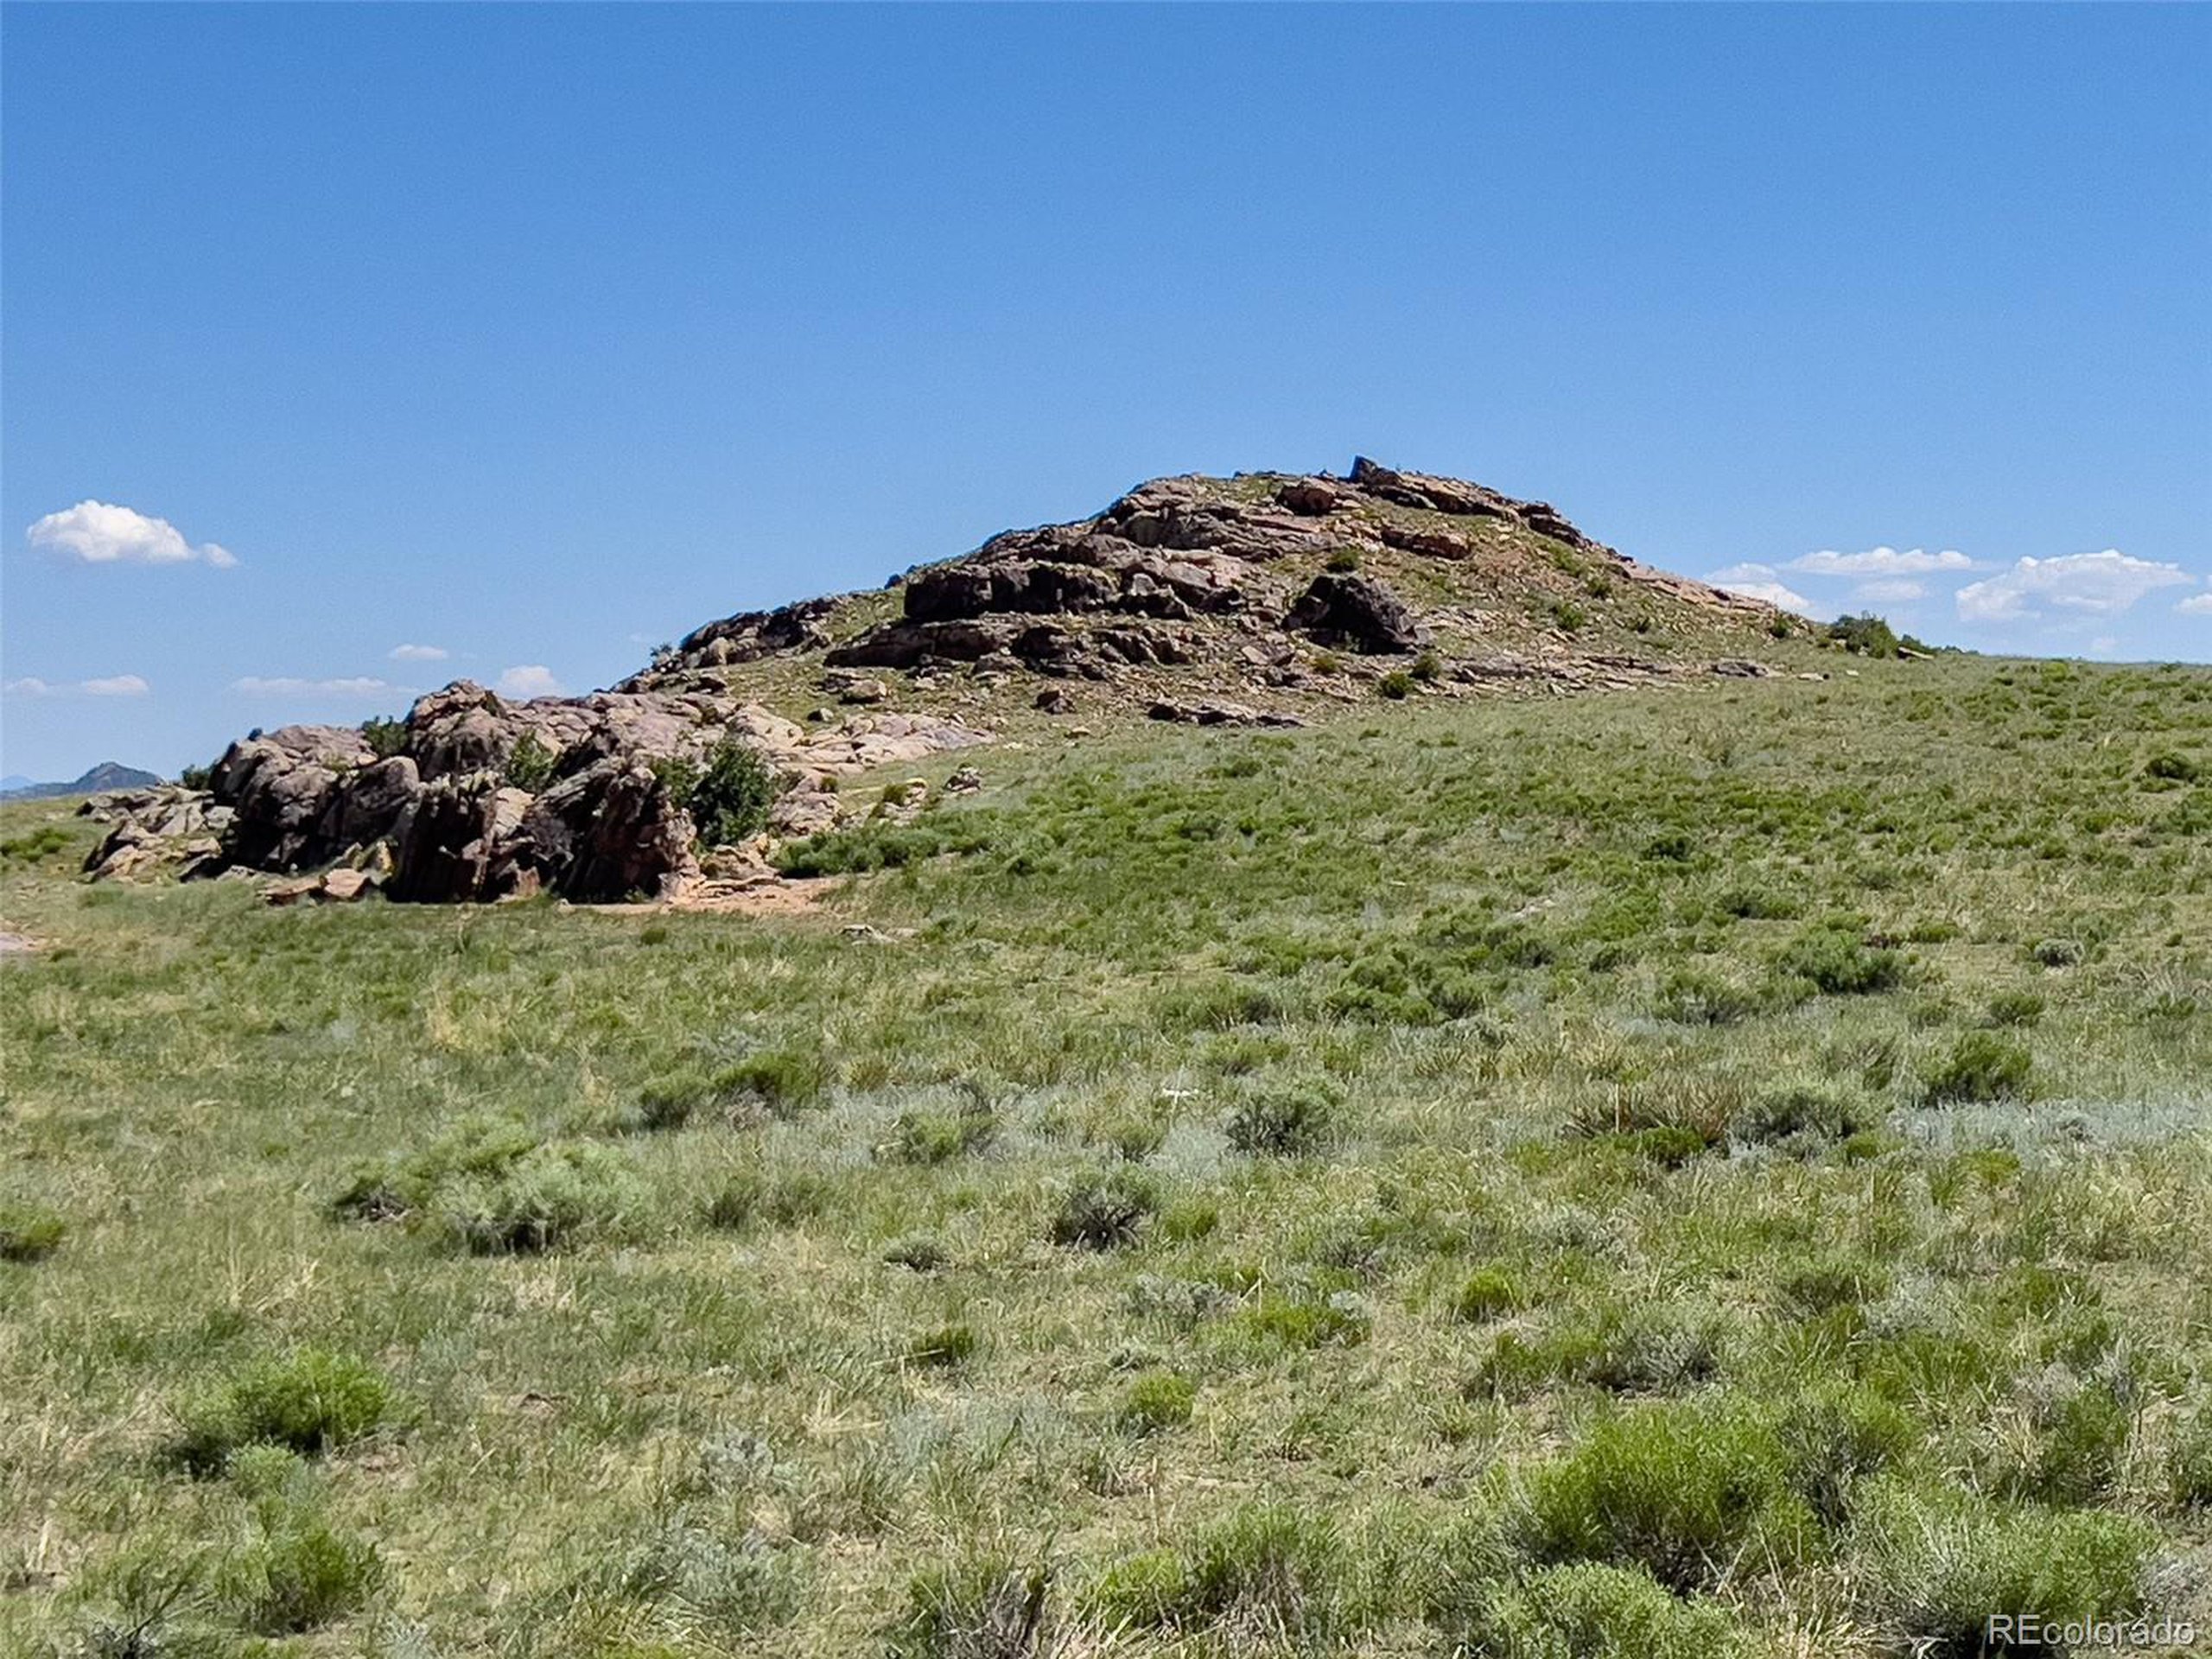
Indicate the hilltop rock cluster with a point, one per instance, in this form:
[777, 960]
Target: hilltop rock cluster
[1175, 572]
[1194, 599]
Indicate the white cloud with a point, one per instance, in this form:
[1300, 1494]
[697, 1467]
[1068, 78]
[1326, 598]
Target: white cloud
[1881, 562]
[1890, 591]
[113, 685]
[1760, 581]
[529, 680]
[99, 532]
[2195, 605]
[2091, 584]
[289, 686]
[419, 653]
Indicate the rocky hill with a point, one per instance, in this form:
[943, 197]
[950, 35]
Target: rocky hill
[109, 774]
[1264, 599]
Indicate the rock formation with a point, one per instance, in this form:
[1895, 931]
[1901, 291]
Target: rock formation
[1194, 599]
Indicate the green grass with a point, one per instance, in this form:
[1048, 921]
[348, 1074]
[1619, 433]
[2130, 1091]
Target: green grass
[1715, 1169]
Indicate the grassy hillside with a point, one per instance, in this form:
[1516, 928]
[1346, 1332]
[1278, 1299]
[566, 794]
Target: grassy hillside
[1705, 1169]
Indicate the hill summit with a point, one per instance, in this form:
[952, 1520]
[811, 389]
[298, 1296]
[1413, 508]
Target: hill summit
[1263, 599]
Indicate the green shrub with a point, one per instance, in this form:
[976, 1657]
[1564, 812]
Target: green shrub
[1836, 1437]
[385, 738]
[1804, 1113]
[1103, 1212]
[1836, 960]
[1396, 685]
[1689, 997]
[474, 1147]
[1641, 1348]
[2015, 1008]
[1932, 1565]
[1157, 1401]
[944, 1349]
[752, 1196]
[1588, 1611]
[1864, 636]
[530, 764]
[197, 777]
[1428, 667]
[1267, 1573]
[2189, 1460]
[552, 1195]
[2068, 1445]
[29, 1235]
[2172, 768]
[939, 1137]
[918, 1253]
[1682, 1489]
[300, 1574]
[1981, 1066]
[2057, 953]
[1343, 561]
[1283, 1119]
[728, 797]
[1489, 1294]
[986, 1606]
[1301, 1318]
[308, 1402]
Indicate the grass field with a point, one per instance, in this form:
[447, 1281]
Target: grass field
[1721, 1169]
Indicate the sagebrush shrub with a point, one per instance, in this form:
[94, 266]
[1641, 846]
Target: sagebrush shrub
[939, 1137]
[1284, 1119]
[1981, 1066]
[1589, 1611]
[1682, 1489]
[1838, 961]
[945, 1348]
[2189, 1460]
[984, 1606]
[1157, 1401]
[752, 1196]
[300, 1574]
[29, 1235]
[308, 1402]
[1489, 1294]
[1932, 1564]
[1103, 1211]
[554, 1194]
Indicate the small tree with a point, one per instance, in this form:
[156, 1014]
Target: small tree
[1864, 636]
[728, 797]
[385, 738]
[530, 763]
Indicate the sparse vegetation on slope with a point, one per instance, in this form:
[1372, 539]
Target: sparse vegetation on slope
[1703, 1170]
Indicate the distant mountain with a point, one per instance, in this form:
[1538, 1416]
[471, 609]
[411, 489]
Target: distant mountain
[109, 774]
[15, 780]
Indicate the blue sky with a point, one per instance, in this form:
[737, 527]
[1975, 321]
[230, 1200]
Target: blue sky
[535, 336]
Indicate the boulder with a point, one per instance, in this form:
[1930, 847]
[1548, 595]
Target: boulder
[608, 833]
[1341, 607]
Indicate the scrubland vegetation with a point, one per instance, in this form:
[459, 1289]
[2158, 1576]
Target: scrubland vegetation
[1716, 1169]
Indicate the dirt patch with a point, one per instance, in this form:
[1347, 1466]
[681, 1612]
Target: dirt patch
[759, 898]
[15, 944]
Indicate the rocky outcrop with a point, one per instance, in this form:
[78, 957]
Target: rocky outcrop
[1182, 599]
[1341, 608]
[167, 829]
